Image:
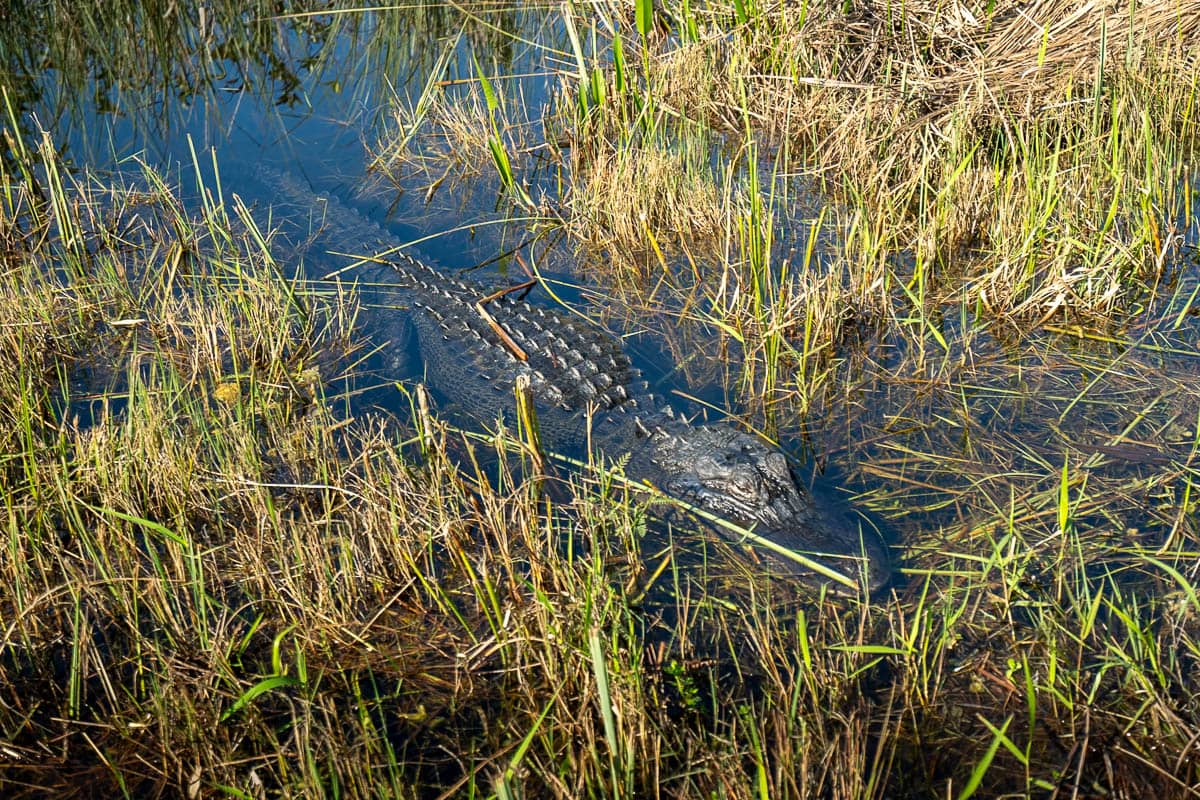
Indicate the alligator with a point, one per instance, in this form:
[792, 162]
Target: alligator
[475, 343]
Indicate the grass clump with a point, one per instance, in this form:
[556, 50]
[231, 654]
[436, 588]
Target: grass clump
[1026, 163]
[630, 205]
[1037, 153]
[447, 135]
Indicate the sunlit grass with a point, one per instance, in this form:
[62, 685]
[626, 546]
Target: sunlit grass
[1030, 174]
[216, 581]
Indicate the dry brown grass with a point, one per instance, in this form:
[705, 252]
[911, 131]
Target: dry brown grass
[623, 199]
[1008, 147]
[444, 139]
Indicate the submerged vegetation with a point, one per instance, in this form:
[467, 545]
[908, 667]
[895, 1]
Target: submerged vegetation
[954, 250]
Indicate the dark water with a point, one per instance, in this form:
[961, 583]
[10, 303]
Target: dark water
[925, 442]
[309, 102]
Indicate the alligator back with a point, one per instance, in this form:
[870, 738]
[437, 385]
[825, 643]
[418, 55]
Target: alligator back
[472, 351]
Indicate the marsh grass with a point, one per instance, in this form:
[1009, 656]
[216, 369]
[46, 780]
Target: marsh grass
[215, 582]
[447, 134]
[212, 584]
[1029, 164]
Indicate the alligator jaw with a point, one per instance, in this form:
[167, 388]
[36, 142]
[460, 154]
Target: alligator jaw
[860, 561]
[842, 555]
[806, 538]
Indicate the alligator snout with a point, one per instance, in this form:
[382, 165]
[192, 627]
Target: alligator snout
[849, 547]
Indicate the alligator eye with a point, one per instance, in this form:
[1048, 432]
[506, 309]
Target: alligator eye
[744, 488]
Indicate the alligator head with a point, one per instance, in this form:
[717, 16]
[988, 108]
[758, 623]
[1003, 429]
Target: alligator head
[739, 478]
